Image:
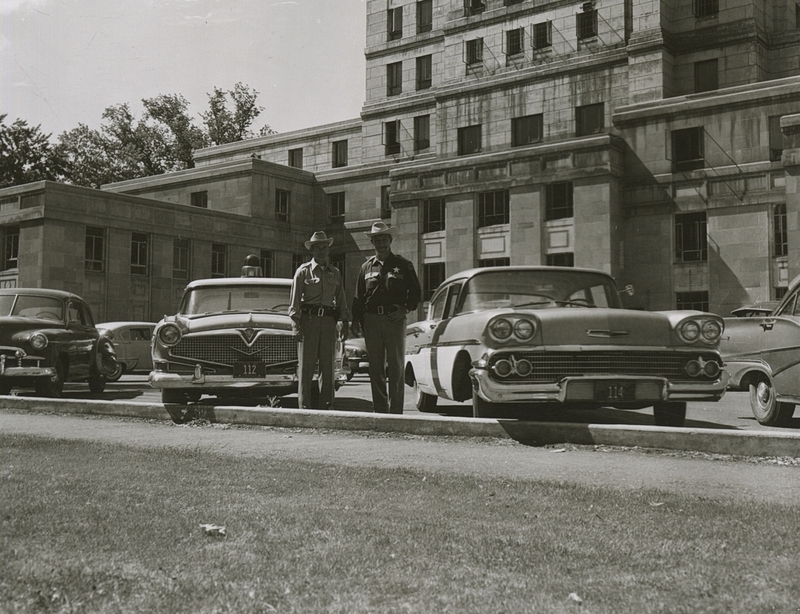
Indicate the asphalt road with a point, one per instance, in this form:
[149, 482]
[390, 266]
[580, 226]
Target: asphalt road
[732, 412]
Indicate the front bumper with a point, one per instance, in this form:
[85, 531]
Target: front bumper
[201, 381]
[580, 389]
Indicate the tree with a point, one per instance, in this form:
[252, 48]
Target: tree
[26, 154]
[224, 125]
[171, 110]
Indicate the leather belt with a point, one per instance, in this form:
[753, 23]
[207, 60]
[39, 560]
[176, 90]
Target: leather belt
[380, 310]
[319, 310]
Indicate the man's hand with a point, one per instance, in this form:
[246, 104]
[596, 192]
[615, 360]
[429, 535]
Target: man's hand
[345, 330]
[399, 313]
[356, 329]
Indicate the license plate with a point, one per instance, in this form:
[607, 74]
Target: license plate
[614, 392]
[249, 369]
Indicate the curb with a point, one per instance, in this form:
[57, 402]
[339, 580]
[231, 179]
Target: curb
[711, 441]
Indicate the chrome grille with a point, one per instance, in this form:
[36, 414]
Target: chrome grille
[227, 349]
[553, 366]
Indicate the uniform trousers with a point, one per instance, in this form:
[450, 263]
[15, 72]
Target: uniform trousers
[386, 350]
[318, 346]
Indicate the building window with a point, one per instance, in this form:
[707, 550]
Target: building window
[493, 208]
[563, 259]
[422, 132]
[267, 258]
[697, 301]
[219, 260]
[199, 199]
[11, 247]
[687, 149]
[339, 154]
[336, 206]
[469, 140]
[297, 260]
[181, 248]
[140, 252]
[526, 130]
[391, 137]
[473, 51]
[434, 275]
[486, 263]
[706, 76]
[775, 138]
[424, 16]
[781, 233]
[780, 292]
[589, 119]
[394, 78]
[515, 41]
[705, 8]
[386, 205]
[94, 255]
[282, 198]
[586, 24]
[558, 201]
[473, 7]
[542, 35]
[691, 242]
[296, 157]
[424, 68]
[433, 215]
[394, 26]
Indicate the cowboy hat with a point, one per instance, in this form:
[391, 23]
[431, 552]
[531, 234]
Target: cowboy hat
[318, 237]
[379, 228]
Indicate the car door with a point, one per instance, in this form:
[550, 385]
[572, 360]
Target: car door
[444, 347]
[140, 347]
[780, 346]
[122, 345]
[82, 337]
[418, 342]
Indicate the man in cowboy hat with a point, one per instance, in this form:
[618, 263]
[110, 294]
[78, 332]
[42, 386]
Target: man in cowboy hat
[317, 303]
[387, 289]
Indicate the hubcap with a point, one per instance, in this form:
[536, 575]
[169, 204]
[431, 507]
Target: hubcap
[763, 393]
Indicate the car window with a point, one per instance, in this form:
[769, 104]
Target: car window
[436, 309]
[140, 334]
[452, 300]
[41, 307]
[76, 314]
[790, 307]
[214, 299]
[125, 334]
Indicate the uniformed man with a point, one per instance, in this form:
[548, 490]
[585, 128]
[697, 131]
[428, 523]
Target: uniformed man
[387, 289]
[317, 303]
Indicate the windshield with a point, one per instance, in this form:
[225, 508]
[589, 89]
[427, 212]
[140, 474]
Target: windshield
[539, 290]
[214, 299]
[40, 307]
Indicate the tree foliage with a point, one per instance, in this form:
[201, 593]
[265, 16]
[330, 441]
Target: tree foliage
[26, 154]
[163, 140]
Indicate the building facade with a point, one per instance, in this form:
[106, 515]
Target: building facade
[658, 141]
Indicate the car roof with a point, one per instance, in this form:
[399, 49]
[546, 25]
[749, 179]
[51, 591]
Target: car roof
[62, 294]
[240, 281]
[469, 273]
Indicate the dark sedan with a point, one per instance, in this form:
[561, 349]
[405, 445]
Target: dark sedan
[48, 337]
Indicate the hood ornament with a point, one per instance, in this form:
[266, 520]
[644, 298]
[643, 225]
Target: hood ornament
[607, 334]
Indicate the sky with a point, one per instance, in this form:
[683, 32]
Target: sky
[62, 62]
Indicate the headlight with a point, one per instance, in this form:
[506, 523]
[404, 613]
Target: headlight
[500, 329]
[169, 335]
[689, 331]
[38, 341]
[523, 329]
[711, 331]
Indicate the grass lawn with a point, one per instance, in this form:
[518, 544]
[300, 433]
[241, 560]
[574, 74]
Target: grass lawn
[107, 528]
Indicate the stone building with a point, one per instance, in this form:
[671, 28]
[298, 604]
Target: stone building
[658, 141]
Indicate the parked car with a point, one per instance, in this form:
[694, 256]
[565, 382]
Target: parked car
[762, 354]
[515, 339]
[756, 309]
[355, 354]
[48, 337]
[132, 342]
[231, 337]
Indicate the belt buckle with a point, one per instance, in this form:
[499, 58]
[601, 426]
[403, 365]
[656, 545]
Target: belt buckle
[321, 311]
[380, 310]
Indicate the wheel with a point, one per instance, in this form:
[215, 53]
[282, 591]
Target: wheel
[424, 401]
[173, 395]
[669, 414]
[766, 408]
[114, 376]
[97, 384]
[484, 409]
[55, 385]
